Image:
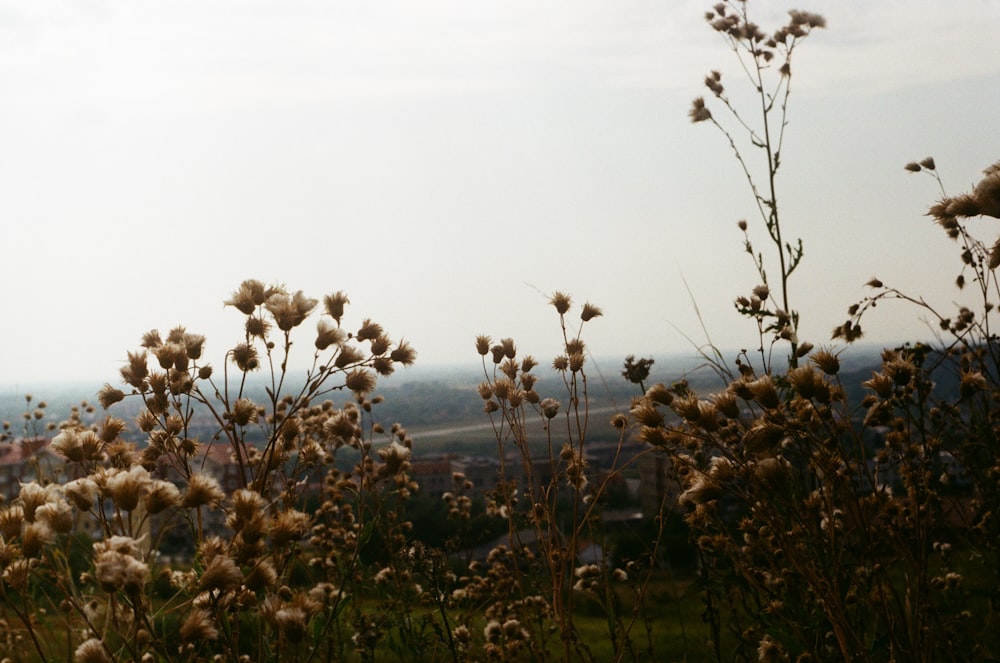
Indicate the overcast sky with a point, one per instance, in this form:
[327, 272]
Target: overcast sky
[445, 162]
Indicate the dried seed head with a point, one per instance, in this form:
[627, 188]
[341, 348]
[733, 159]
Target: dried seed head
[369, 330]
[647, 415]
[161, 495]
[360, 381]
[764, 392]
[826, 362]
[713, 83]
[34, 495]
[261, 576]
[403, 354]
[335, 304]
[395, 457]
[36, 535]
[11, 519]
[249, 296]
[561, 301]
[700, 490]
[91, 651]
[82, 492]
[806, 381]
[245, 357]
[881, 384]
[971, 382]
[67, 443]
[347, 355]
[726, 404]
[244, 412]
[900, 369]
[57, 516]
[289, 311]
[550, 407]
[590, 312]
[136, 372]
[221, 573]
[659, 393]
[125, 488]
[328, 334]
[987, 195]
[109, 395]
[202, 490]
[763, 438]
[198, 626]
[698, 112]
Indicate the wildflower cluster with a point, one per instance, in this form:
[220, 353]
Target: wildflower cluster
[226, 505]
[550, 498]
[805, 509]
[827, 508]
[765, 59]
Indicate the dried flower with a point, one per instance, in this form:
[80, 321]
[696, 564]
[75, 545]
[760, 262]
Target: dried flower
[91, 651]
[136, 372]
[289, 311]
[250, 295]
[57, 516]
[360, 381]
[244, 412]
[826, 362]
[262, 576]
[198, 626]
[403, 354]
[34, 495]
[698, 112]
[328, 334]
[245, 357]
[290, 526]
[335, 304]
[395, 458]
[17, 573]
[35, 536]
[347, 355]
[369, 330]
[221, 573]
[202, 490]
[550, 407]
[82, 492]
[764, 392]
[109, 395]
[125, 488]
[161, 495]
[590, 312]
[561, 301]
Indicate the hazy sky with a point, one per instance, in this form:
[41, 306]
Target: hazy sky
[446, 161]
